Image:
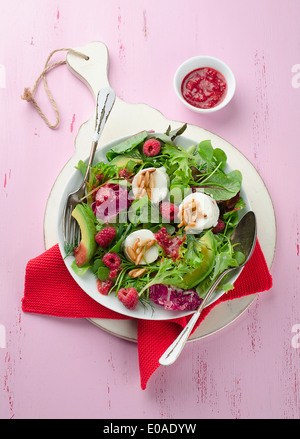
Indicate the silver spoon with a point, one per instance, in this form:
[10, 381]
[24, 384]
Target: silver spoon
[244, 239]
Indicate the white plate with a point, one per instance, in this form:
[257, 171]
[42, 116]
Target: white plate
[225, 313]
[88, 281]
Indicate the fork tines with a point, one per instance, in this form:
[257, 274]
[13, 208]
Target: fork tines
[71, 230]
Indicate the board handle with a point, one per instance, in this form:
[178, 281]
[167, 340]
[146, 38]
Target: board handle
[93, 71]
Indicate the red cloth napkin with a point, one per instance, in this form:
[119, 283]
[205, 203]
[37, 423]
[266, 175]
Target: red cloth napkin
[51, 290]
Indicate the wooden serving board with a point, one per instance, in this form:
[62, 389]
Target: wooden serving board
[127, 119]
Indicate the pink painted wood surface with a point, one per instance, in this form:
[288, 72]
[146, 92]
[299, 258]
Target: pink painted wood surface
[55, 368]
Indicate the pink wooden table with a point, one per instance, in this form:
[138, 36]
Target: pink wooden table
[56, 368]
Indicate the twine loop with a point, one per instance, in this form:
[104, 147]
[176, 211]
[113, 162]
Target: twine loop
[28, 94]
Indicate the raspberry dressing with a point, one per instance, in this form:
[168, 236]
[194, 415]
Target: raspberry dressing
[169, 245]
[204, 88]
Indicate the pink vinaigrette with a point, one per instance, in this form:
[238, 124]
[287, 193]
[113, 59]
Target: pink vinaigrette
[204, 88]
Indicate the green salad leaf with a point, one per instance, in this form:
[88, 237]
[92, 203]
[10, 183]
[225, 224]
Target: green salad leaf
[80, 271]
[222, 186]
[192, 255]
[225, 258]
[168, 273]
[127, 145]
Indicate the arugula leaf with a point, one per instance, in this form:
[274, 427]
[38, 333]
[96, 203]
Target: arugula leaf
[192, 255]
[222, 186]
[170, 135]
[120, 237]
[179, 164]
[225, 258]
[126, 145]
[165, 139]
[107, 172]
[177, 132]
[168, 273]
[89, 211]
[82, 167]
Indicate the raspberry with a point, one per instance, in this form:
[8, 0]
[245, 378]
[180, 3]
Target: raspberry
[124, 173]
[112, 260]
[169, 245]
[105, 236]
[129, 297]
[103, 194]
[104, 286]
[219, 227]
[113, 273]
[151, 147]
[168, 211]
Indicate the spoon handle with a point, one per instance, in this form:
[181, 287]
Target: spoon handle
[174, 350]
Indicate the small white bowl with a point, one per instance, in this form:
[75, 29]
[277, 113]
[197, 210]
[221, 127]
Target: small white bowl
[205, 61]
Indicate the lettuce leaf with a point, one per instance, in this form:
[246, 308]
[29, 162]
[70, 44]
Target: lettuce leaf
[222, 186]
[127, 145]
[169, 273]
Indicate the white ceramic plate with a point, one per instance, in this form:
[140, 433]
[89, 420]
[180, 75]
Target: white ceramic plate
[88, 281]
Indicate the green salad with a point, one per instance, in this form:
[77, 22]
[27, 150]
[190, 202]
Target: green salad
[157, 219]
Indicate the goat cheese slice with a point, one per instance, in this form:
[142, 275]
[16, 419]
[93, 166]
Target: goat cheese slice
[143, 235]
[158, 182]
[199, 212]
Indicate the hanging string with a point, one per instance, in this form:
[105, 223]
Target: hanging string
[28, 94]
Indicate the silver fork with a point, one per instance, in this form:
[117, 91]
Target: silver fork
[71, 231]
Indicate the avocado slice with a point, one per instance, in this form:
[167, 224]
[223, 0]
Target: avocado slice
[122, 160]
[87, 246]
[207, 247]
